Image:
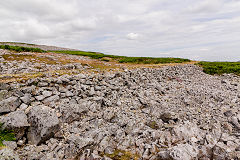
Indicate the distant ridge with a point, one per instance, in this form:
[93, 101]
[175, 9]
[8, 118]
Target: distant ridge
[43, 47]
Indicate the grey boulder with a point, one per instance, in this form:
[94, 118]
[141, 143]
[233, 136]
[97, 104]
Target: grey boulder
[44, 124]
[16, 121]
[9, 105]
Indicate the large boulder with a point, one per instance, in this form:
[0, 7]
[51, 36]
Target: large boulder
[16, 121]
[9, 105]
[44, 124]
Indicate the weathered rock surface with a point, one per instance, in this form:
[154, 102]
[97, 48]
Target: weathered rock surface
[8, 154]
[43, 124]
[16, 121]
[10, 144]
[9, 105]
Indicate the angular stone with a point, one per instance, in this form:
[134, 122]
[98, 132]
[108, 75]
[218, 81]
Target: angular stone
[234, 121]
[16, 121]
[51, 99]
[69, 94]
[108, 150]
[23, 106]
[80, 142]
[219, 153]
[228, 113]
[42, 84]
[184, 151]
[26, 98]
[3, 94]
[4, 86]
[44, 124]
[164, 155]
[9, 105]
[188, 132]
[39, 98]
[46, 93]
[167, 116]
[72, 111]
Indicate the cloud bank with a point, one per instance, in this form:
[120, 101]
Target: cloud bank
[195, 29]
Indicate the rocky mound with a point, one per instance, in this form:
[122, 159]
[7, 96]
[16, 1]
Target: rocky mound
[175, 112]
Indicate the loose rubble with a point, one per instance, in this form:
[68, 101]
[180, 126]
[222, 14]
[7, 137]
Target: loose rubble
[27, 62]
[174, 112]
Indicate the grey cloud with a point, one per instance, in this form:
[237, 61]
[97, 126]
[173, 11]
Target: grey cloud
[206, 6]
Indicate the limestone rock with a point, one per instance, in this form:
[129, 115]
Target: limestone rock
[10, 144]
[167, 116]
[9, 105]
[8, 154]
[44, 124]
[183, 151]
[51, 99]
[16, 121]
[26, 98]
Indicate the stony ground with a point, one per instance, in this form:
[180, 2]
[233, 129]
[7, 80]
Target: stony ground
[173, 112]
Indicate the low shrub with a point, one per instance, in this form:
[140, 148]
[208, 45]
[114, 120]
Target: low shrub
[220, 67]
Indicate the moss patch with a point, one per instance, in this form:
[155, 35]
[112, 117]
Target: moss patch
[153, 125]
[6, 135]
[121, 155]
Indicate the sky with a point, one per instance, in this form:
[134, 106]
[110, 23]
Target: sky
[196, 29]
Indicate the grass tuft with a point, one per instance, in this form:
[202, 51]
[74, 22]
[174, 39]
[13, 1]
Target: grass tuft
[6, 135]
[121, 155]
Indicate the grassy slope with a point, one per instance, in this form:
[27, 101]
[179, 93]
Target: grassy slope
[220, 67]
[124, 59]
[21, 49]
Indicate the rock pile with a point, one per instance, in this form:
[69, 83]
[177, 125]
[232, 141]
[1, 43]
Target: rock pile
[175, 112]
[28, 63]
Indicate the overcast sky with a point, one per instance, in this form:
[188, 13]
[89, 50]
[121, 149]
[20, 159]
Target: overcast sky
[195, 29]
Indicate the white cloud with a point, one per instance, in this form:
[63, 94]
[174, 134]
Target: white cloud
[198, 29]
[132, 36]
